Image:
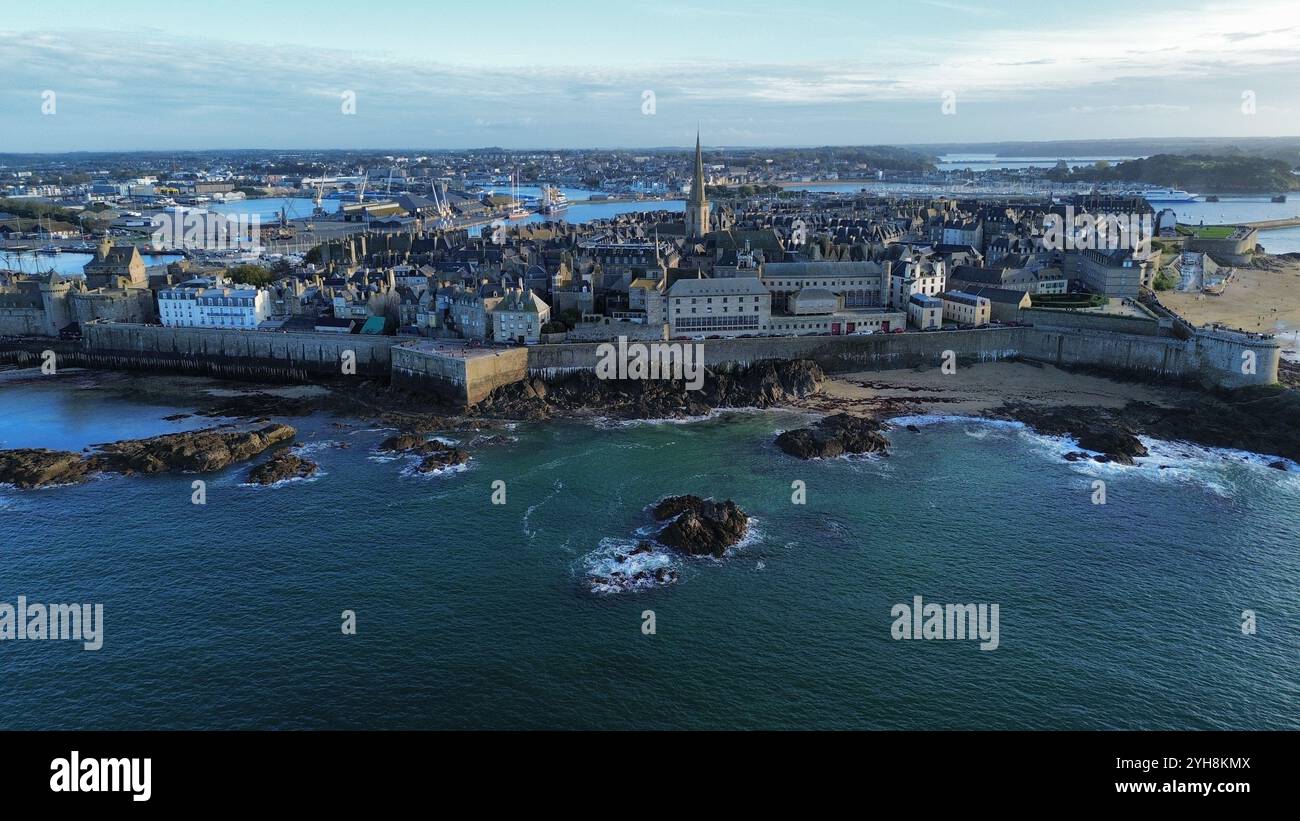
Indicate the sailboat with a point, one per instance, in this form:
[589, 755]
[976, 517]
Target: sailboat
[517, 209]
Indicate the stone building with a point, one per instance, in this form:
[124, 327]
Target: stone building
[116, 266]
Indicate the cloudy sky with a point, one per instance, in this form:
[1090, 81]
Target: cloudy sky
[573, 73]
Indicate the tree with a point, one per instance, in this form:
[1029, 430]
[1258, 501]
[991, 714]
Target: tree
[254, 275]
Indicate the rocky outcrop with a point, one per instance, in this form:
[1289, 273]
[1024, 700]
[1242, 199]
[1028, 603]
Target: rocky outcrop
[700, 527]
[437, 455]
[1103, 432]
[281, 467]
[762, 385]
[835, 435]
[1115, 442]
[199, 451]
[27, 468]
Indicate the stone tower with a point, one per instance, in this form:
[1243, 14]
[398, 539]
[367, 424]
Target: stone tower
[697, 208]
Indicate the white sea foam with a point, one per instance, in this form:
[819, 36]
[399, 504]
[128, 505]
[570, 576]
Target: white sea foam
[605, 422]
[528, 514]
[314, 447]
[292, 480]
[1166, 461]
[612, 567]
[413, 470]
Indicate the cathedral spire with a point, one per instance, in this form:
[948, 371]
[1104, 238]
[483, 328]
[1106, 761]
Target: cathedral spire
[698, 195]
[697, 209]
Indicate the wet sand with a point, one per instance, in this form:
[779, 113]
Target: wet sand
[975, 390]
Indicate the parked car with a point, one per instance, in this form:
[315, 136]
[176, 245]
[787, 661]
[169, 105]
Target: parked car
[898, 330]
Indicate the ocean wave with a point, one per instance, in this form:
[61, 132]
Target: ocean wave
[1167, 461]
[615, 567]
[413, 470]
[606, 422]
[306, 448]
[283, 483]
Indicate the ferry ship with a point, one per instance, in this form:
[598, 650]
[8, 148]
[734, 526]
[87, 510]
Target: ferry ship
[1163, 195]
[553, 200]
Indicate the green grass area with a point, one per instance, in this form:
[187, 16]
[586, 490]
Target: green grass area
[1068, 300]
[1207, 231]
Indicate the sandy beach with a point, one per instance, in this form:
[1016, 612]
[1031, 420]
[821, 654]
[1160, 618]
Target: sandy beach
[1264, 299]
[978, 389]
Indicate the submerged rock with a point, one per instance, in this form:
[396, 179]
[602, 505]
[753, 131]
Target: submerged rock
[835, 436]
[702, 526]
[282, 466]
[437, 455]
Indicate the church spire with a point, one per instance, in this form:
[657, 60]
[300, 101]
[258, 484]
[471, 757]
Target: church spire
[698, 195]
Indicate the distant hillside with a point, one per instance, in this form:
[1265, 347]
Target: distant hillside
[1194, 172]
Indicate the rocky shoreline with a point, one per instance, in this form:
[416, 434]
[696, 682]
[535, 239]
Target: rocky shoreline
[1262, 420]
[199, 451]
[765, 384]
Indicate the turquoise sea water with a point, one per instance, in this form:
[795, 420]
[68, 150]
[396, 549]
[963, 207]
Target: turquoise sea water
[475, 615]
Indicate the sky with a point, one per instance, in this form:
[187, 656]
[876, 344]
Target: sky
[129, 75]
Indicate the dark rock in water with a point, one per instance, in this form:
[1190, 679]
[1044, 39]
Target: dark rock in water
[763, 384]
[27, 468]
[643, 547]
[702, 526]
[1117, 443]
[176, 417]
[437, 455]
[913, 429]
[282, 466]
[1278, 465]
[201, 451]
[402, 443]
[443, 459]
[835, 436]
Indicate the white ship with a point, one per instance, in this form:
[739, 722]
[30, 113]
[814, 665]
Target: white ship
[553, 200]
[1163, 195]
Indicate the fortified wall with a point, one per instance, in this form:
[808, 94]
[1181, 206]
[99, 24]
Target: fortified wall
[233, 353]
[468, 373]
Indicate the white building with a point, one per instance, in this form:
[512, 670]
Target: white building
[206, 303]
[913, 277]
[722, 307]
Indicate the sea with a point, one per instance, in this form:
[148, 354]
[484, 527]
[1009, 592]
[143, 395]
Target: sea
[476, 614]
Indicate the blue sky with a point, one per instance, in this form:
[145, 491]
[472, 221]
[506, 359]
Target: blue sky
[128, 75]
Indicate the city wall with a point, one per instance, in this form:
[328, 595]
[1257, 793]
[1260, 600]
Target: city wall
[233, 353]
[1209, 357]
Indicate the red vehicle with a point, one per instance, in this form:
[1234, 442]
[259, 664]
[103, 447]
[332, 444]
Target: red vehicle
[897, 331]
